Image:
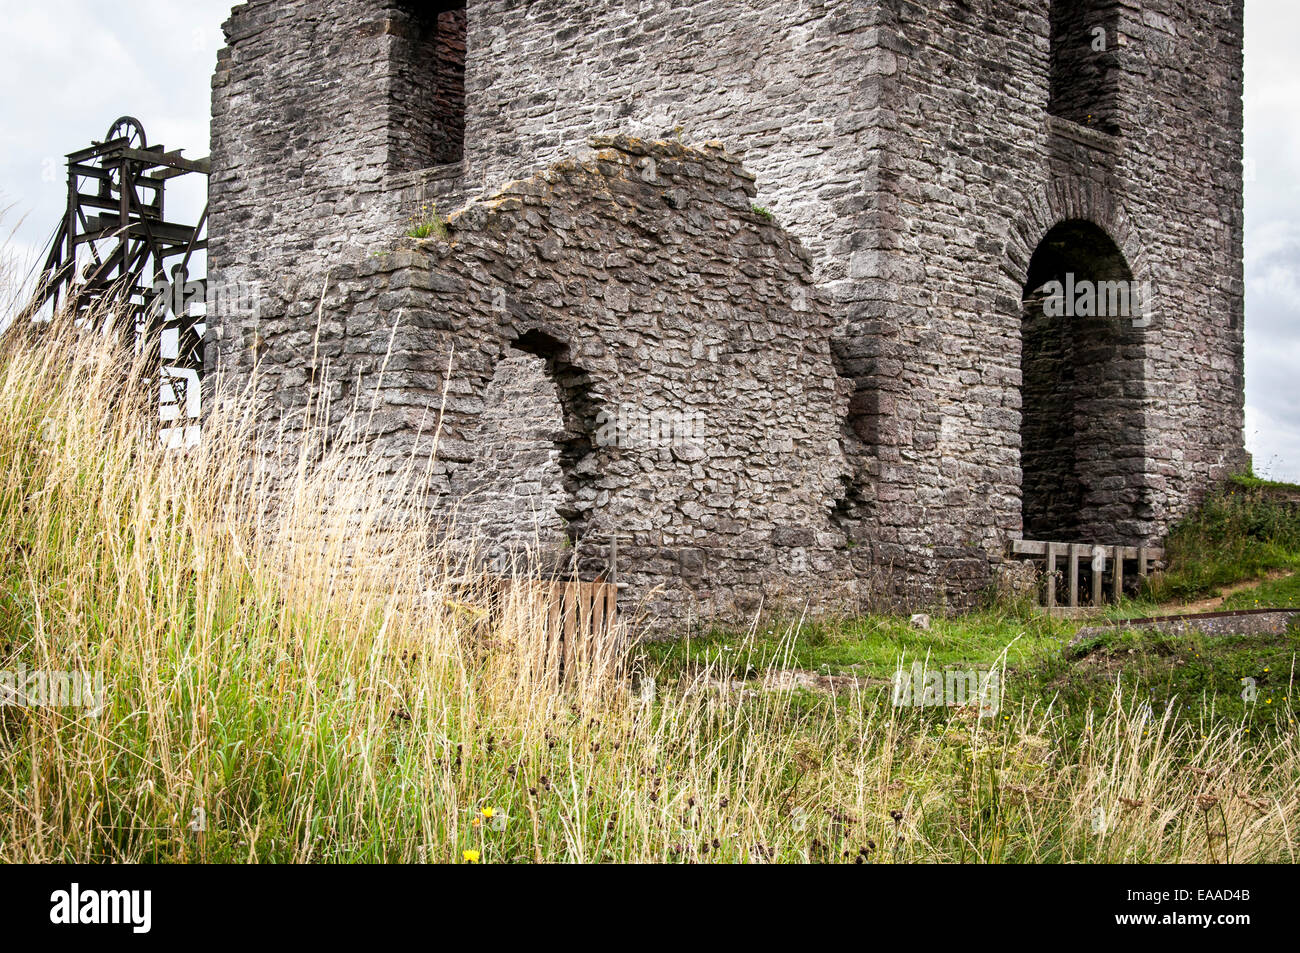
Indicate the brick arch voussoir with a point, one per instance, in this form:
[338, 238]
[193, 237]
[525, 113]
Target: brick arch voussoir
[1066, 200]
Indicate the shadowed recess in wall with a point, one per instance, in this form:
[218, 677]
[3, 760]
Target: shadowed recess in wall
[1084, 35]
[1082, 442]
[427, 77]
[578, 412]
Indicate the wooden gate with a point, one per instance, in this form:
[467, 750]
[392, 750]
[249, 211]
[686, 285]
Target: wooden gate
[580, 623]
[1098, 560]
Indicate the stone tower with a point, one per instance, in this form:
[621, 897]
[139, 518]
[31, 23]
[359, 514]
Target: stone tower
[797, 297]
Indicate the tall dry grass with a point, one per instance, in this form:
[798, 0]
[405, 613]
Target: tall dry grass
[293, 672]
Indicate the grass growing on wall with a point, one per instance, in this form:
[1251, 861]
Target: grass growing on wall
[295, 674]
[428, 224]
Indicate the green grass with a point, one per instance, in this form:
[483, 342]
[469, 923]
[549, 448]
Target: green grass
[1281, 593]
[1249, 481]
[1198, 676]
[1240, 533]
[867, 646]
[428, 224]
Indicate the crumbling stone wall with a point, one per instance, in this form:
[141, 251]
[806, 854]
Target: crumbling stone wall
[514, 482]
[921, 154]
[317, 134]
[638, 282]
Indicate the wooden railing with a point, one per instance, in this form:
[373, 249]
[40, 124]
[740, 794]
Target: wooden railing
[1094, 559]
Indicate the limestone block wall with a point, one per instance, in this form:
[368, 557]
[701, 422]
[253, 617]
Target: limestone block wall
[1166, 189]
[977, 173]
[930, 160]
[515, 482]
[792, 88]
[321, 121]
[1182, 80]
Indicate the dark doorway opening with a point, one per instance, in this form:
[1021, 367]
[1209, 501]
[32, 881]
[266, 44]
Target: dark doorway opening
[1082, 451]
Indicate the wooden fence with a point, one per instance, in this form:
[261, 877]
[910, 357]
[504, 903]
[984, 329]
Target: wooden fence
[1097, 560]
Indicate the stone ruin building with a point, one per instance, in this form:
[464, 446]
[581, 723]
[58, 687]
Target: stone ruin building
[762, 289]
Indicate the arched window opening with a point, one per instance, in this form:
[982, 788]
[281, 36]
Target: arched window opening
[1084, 67]
[530, 487]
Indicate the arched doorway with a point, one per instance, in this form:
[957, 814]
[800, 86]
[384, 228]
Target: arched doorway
[512, 491]
[575, 440]
[1082, 453]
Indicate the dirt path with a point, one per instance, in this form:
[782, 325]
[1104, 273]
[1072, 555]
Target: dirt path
[1209, 605]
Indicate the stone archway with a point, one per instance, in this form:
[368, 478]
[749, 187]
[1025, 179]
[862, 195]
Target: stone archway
[575, 441]
[1083, 455]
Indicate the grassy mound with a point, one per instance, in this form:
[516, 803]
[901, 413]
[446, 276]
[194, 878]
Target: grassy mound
[1249, 529]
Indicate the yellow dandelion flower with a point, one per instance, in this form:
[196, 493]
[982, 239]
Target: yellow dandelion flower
[489, 812]
[469, 856]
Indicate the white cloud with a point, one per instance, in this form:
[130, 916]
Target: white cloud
[71, 67]
[1274, 444]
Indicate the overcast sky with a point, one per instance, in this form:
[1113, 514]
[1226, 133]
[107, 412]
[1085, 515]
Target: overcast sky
[68, 68]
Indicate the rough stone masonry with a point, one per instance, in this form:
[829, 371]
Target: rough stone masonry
[766, 290]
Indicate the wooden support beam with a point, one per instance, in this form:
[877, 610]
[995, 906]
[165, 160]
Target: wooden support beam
[1074, 577]
[1074, 552]
[1050, 601]
[1096, 577]
[1029, 547]
[570, 626]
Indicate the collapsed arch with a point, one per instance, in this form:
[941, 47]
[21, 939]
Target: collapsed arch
[528, 486]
